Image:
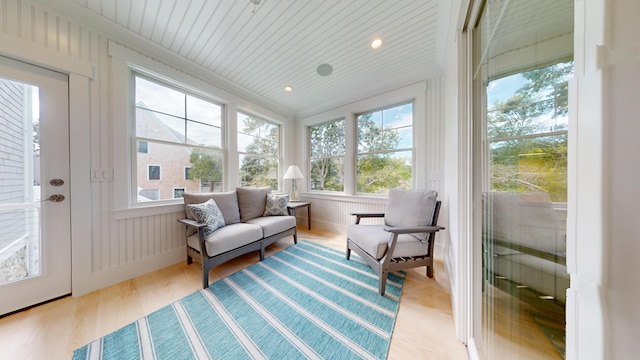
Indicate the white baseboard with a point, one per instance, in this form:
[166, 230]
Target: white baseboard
[85, 283]
[472, 350]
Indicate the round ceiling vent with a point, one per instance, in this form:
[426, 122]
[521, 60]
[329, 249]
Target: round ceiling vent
[324, 69]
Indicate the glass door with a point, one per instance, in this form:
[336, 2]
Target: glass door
[35, 241]
[522, 61]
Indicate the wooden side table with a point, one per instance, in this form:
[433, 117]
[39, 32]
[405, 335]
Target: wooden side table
[295, 205]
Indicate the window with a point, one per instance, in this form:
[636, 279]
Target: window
[143, 147]
[258, 151]
[527, 125]
[185, 131]
[327, 149]
[177, 193]
[520, 120]
[153, 172]
[385, 149]
[148, 195]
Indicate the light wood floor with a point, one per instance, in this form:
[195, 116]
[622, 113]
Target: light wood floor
[424, 327]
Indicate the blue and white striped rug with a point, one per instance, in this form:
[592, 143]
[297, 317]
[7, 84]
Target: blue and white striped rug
[304, 302]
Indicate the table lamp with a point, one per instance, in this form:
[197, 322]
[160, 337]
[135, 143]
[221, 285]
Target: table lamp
[293, 173]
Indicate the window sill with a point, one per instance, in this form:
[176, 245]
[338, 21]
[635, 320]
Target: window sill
[147, 210]
[361, 199]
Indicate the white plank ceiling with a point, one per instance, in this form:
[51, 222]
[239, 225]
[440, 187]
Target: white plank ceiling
[280, 43]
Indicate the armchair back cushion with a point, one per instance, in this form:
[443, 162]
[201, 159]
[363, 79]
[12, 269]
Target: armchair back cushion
[410, 208]
[252, 202]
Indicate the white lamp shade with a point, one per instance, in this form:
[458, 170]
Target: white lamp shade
[293, 173]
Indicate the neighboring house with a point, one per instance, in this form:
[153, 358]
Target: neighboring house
[16, 227]
[155, 163]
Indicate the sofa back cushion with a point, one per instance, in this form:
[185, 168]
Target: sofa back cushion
[252, 202]
[227, 203]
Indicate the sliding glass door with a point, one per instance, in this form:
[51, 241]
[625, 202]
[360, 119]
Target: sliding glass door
[522, 61]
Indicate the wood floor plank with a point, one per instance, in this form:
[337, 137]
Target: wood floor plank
[424, 326]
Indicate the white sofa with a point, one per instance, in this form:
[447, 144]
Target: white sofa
[247, 226]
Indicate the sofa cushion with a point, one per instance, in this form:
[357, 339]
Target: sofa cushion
[227, 203]
[374, 240]
[272, 225]
[410, 208]
[227, 238]
[252, 201]
[209, 214]
[276, 205]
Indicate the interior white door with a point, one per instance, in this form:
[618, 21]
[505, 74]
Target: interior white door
[35, 225]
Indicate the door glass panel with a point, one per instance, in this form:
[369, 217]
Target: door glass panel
[523, 59]
[19, 182]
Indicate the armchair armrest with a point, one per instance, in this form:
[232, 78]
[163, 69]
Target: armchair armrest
[361, 215]
[192, 223]
[412, 229]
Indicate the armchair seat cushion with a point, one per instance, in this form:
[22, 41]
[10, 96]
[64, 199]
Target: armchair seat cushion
[272, 225]
[374, 240]
[227, 238]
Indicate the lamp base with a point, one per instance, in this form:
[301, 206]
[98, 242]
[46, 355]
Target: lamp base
[294, 196]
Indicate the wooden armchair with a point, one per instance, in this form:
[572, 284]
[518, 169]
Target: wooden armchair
[407, 238]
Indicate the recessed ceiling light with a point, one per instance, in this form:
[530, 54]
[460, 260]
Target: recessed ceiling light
[376, 43]
[324, 69]
[288, 89]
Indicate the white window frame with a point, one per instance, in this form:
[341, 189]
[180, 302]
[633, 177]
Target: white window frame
[278, 158]
[178, 188]
[412, 148]
[149, 172]
[123, 61]
[310, 158]
[426, 164]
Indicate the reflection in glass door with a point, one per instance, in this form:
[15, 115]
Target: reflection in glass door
[35, 244]
[522, 63]
[20, 211]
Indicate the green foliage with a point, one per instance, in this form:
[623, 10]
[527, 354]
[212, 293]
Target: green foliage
[380, 172]
[206, 166]
[327, 144]
[261, 167]
[378, 168]
[372, 138]
[377, 172]
[521, 162]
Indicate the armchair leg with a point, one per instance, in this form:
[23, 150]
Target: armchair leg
[348, 253]
[430, 271]
[205, 277]
[295, 238]
[189, 260]
[382, 283]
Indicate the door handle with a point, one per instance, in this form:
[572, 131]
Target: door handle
[56, 198]
[56, 182]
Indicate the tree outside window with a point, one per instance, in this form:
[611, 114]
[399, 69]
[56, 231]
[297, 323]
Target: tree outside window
[259, 151]
[385, 149]
[327, 149]
[527, 130]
